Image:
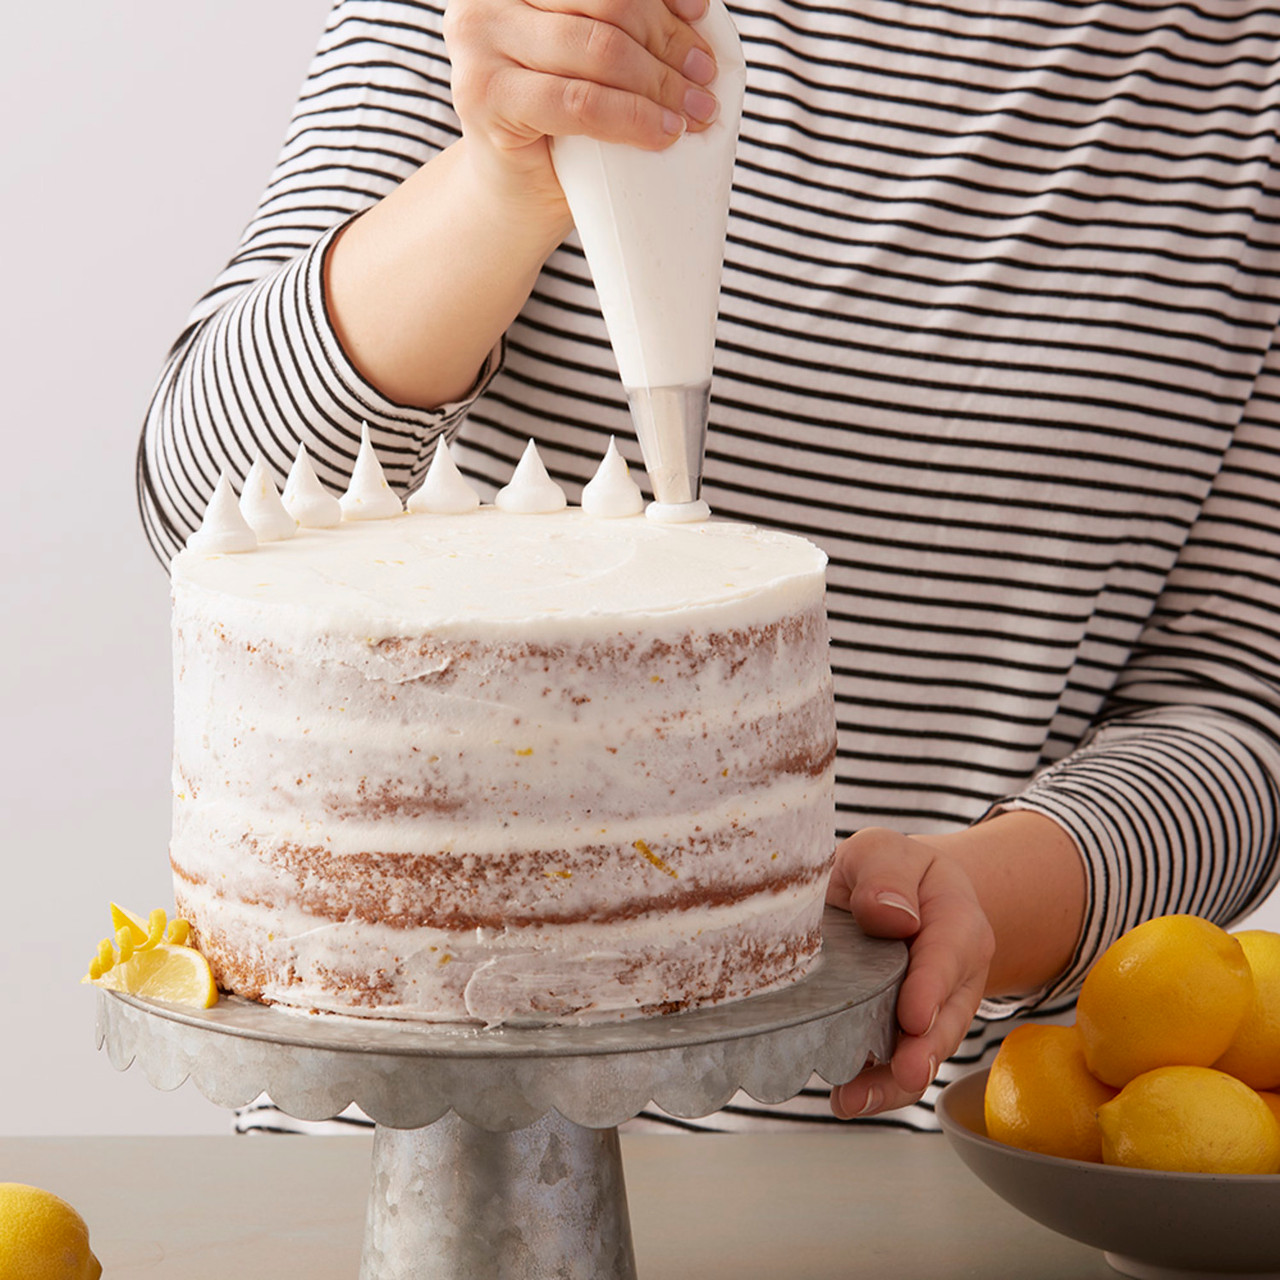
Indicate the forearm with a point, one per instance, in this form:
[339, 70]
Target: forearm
[421, 286]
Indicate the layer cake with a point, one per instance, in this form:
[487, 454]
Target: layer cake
[503, 767]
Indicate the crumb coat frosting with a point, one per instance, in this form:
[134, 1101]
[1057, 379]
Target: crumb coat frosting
[477, 574]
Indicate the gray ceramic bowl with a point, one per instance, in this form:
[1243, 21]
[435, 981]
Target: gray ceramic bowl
[1147, 1224]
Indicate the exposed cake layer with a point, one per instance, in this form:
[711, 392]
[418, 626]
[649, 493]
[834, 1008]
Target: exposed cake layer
[383, 757]
[494, 733]
[585, 972]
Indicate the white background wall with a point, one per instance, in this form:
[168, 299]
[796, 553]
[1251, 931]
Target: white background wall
[138, 137]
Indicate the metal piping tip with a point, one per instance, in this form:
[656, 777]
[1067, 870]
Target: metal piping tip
[671, 423]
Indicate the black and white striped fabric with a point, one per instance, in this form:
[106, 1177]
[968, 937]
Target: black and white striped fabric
[997, 331]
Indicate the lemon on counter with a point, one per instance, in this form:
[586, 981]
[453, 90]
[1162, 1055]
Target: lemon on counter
[1041, 1097]
[1254, 1055]
[42, 1237]
[1172, 991]
[1190, 1120]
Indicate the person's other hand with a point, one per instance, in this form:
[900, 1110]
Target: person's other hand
[631, 71]
[906, 887]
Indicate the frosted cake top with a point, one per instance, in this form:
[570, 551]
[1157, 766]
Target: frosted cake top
[450, 565]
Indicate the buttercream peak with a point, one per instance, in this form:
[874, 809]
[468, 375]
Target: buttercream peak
[612, 493]
[224, 529]
[261, 506]
[368, 496]
[531, 490]
[306, 499]
[445, 490]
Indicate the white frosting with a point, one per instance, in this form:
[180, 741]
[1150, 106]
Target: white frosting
[224, 528]
[261, 506]
[612, 493]
[652, 226]
[445, 490]
[368, 496]
[453, 575]
[678, 512]
[531, 491]
[306, 499]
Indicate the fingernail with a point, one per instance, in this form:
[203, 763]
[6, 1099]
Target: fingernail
[700, 105]
[699, 66]
[872, 1101]
[929, 1028]
[673, 124]
[933, 1070]
[898, 903]
[689, 10]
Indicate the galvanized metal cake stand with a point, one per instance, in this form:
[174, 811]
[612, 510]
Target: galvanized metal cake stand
[496, 1153]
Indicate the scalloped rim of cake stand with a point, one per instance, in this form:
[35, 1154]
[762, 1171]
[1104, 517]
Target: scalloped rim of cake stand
[408, 1074]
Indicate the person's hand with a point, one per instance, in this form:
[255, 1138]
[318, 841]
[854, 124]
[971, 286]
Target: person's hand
[907, 887]
[630, 71]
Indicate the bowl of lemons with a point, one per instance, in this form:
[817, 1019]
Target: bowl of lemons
[1150, 1129]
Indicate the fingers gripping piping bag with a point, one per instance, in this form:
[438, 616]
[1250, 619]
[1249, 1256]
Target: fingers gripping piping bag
[652, 225]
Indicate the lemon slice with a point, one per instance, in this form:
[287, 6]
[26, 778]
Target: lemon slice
[122, 918]
[112, 979]
[180, 975]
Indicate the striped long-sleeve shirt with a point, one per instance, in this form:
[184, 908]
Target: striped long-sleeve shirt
[998, 331]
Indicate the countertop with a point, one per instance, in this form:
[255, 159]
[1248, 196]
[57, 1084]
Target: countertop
[768, 1206]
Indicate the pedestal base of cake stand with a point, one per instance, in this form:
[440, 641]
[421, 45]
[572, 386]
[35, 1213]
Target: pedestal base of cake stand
[496, 1151]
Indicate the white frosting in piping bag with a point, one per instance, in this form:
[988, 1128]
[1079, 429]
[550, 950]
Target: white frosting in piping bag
[612, 493]
[224, 528]
[368, 496]
[261, 506]
[445, 490]
[652, 226]
[531, 491]
[306, 499]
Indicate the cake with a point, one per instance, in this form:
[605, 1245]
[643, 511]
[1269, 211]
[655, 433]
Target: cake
[501, 764]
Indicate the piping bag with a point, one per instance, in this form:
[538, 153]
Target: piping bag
[652, 225]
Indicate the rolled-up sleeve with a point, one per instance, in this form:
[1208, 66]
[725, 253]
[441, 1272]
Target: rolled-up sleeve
[259, 368]
[1174, 798]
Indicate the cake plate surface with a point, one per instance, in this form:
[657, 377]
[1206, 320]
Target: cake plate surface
[496, 1150]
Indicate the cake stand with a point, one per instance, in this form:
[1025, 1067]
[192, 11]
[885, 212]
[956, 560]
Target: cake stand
[496, 1152]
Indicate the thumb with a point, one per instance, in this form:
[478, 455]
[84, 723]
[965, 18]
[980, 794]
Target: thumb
[876, 877]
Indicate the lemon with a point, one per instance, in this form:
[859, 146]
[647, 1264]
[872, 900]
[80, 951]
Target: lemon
[1190, 1120]
[1172, 991]
[1041, 1097]
[152, 959]
[1254, 1055]
[123, 918]
[178, 974]
[42, 1237]
[1272, 1100]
